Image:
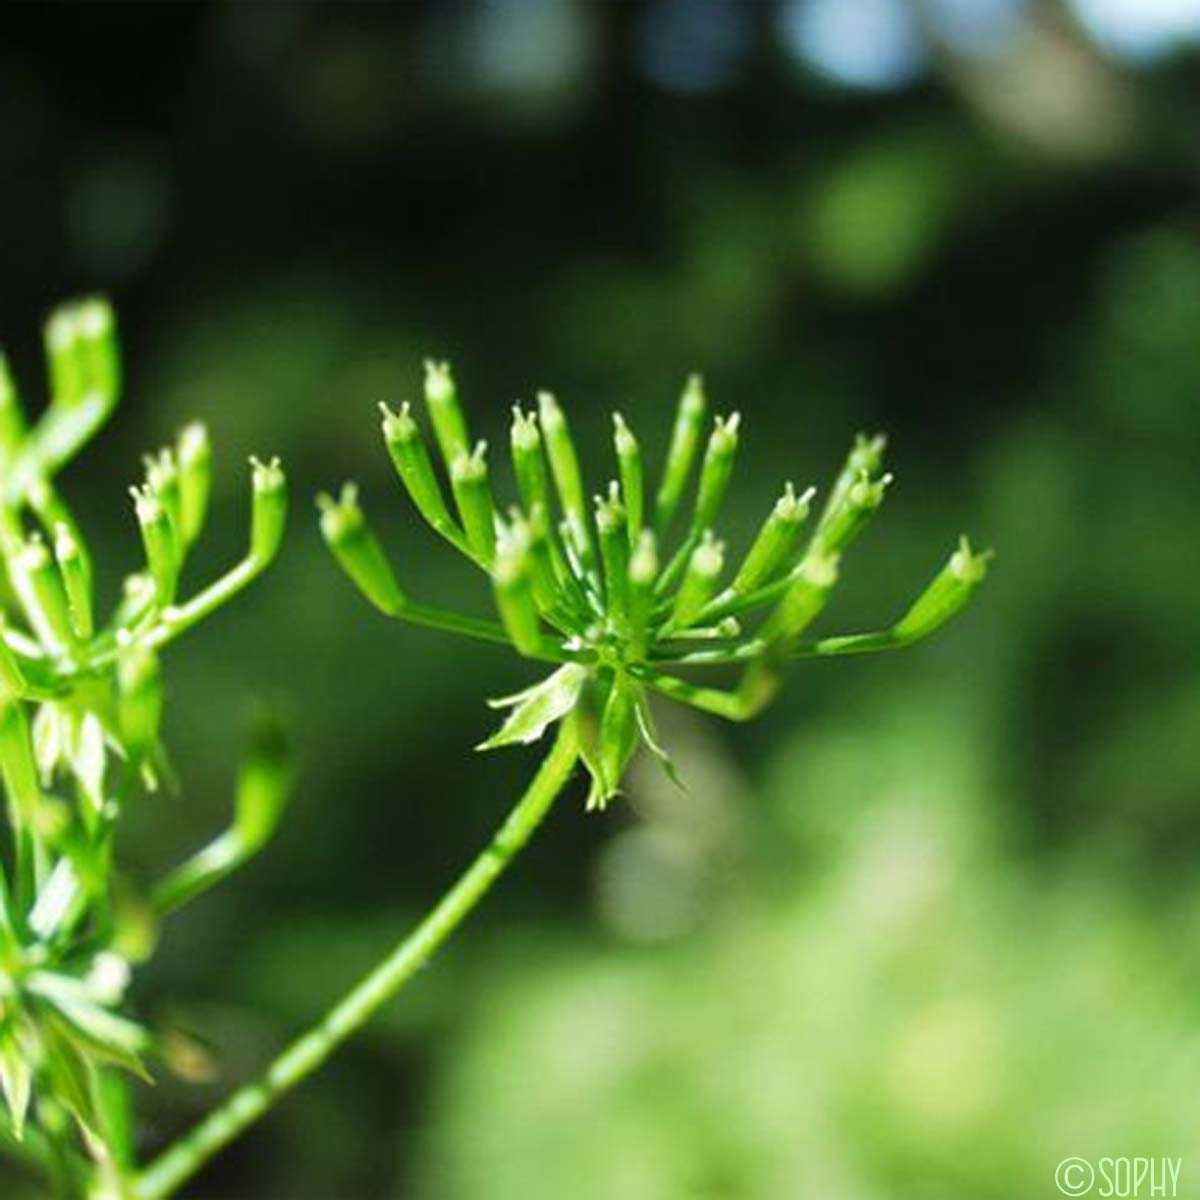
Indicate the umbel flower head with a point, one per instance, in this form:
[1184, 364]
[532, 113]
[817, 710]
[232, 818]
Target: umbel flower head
[600, 588]
[80, 710]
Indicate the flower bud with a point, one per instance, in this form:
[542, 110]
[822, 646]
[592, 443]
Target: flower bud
[551, 588]
[268, 513]
[846, 521]
[699, 581]
[612, 528]
[97, 325]
[264, 783]
[774, 541]
[512, 583]
[568, 479]
[39, 585]
[63, 359]
[473, 495]
[681, 452]
[194, 457]
[728, 627]
[865, 455]
[946, 595]
[162, 477]
[529, 464]
[643, 573]
[76, 581]
[81, 352]
[52, 512]
[159, 542]
[441, 399]
[139, 698]
[406, 449]
[629, 463]
[358, 551]
[812, 583]
[716, 470]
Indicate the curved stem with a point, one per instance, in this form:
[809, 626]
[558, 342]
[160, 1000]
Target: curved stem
[182, 1160]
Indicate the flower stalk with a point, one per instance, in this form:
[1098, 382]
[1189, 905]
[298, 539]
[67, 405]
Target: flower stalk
[166, 1174]
[81, 704]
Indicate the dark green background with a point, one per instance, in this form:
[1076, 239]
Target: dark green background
[930, 925]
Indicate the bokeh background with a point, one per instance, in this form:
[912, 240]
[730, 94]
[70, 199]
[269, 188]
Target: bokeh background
[933, 923]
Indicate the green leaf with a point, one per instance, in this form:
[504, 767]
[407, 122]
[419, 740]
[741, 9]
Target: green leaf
[650, 739]
[537, 707]
[618, 740]
[95, 1027]
[70, 1073]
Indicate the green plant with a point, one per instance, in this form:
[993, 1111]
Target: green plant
[80, 710]
[587, 593]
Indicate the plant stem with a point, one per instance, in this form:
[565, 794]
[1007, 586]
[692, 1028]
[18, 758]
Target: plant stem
[181, 1161]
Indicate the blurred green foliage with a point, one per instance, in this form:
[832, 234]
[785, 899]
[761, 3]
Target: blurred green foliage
[927, 928]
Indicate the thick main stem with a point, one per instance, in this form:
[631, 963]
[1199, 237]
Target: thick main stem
[182, 1160]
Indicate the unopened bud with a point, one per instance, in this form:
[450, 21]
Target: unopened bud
[716, 470]
[568, 478]
[139, 698]
[807, 594]
[473, 495]
[97, 325]
[81, 352]
[441, 399]
[946, 595]
[866, 456]
[268, 513]
[193, 454]
[529, 463]
[75, 580]
[643, 573]
[162, 477]
[358, 551]
[633, 487]
[774, 541]
[699, 581]
[681, 452]
[512, 583]
[39, 585]
[613, 532]
[406, 448]
[846, 521]
[159, 543]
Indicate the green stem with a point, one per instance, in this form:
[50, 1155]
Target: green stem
[182, 1160]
